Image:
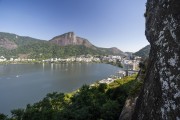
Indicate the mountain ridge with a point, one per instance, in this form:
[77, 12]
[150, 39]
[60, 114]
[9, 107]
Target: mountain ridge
[70, 38]
[143, 52]
[57, 46]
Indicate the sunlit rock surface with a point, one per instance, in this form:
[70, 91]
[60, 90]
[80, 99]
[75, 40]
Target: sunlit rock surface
[160, 96]
[70, 39]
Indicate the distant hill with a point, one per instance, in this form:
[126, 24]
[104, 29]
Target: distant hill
[144, 52]
[11, 43]
[129, 53]
[64, 45]
[71, 39]
[16, 40]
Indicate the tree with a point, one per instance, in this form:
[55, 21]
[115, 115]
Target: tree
[3, 117]
[17, 114]
[109, 110]
[102, 87]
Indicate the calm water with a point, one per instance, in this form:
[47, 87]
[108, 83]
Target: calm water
[21, 84]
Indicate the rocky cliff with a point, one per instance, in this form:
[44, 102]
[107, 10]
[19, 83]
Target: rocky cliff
[7, 44]
[160, 95]
[70, 39]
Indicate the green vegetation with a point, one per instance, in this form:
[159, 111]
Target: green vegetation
[3, 117]
[117, 63]
[48, 50]
[144, 52]
[45, 50]
[99, 102]
[41, 49]
[19, 40]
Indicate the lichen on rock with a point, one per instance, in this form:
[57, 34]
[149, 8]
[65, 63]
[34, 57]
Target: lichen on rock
[160, 96]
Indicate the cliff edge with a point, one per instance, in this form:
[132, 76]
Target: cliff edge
[160, 95]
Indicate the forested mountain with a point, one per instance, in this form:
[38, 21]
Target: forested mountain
[71, 39]
[144, 52]
[12, 45]
[17, 40]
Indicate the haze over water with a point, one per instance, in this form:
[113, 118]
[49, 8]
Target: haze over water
[21, 84]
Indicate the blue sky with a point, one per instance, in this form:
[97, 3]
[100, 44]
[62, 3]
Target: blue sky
[105, 23]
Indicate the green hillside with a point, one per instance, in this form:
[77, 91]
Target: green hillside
[41, 49]
[19, 40]
[144, 52]
[48, 50]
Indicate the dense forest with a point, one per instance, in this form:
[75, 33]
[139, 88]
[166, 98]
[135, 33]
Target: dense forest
[48, 50]
[99, 102]
[44, 50]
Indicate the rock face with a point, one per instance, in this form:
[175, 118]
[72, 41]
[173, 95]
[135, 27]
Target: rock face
[70, 39]
[5, 43]
[128, 109]
[160, 95]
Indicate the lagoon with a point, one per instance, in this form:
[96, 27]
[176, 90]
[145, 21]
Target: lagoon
[22, 84]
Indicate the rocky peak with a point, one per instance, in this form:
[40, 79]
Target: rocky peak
[65, 39]
[70, 35]
[71, 39]
[160, 96]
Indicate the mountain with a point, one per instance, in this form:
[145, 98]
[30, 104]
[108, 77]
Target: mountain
[71, 39]
[144, 52]
[64, 45]
[7, 44]
[116, 51]
[16, 40]
[10, 44]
